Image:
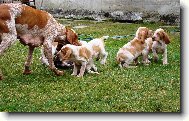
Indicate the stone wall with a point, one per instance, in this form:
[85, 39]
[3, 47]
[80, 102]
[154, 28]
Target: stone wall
[161, 6]
[147, 8]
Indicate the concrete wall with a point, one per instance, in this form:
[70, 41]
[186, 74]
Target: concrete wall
[158, 6]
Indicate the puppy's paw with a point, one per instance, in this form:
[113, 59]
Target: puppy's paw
[147, 62]
[27, 72]
[96, 73]
[103, 62]
[59, 73]
[93, 72]
[165, 63]
[74, 74]
[79, 75]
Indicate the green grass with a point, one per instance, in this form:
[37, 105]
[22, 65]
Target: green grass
[153, 88]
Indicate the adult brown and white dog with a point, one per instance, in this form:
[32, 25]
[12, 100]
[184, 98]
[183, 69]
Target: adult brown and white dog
[81, 56]
[33, 27]
[133, 49]
[160, 41]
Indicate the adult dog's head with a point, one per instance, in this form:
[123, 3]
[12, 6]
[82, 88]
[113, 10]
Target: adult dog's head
[67, 36]
[160, 34]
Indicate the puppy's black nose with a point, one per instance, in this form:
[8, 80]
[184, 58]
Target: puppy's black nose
[153, 38]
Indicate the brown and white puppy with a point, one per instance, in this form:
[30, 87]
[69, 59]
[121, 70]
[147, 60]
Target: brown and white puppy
[133, 49]
[98, 47]
[81, 56]
[160, 41]
[33, 27]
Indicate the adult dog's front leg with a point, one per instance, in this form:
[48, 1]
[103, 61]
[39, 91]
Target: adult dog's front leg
[28, 61]
[48, 54]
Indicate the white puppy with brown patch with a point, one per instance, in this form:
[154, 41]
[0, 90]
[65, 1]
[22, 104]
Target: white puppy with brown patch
[133, 49]
[160, 41]
[81, 56]
[97, 46]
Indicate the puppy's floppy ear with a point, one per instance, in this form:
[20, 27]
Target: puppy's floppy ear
[143, 36]
[166, 38]
[66, 53]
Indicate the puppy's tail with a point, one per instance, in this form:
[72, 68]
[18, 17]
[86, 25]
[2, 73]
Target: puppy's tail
[104, 38]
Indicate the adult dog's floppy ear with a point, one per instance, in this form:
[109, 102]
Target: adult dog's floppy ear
[72, 37]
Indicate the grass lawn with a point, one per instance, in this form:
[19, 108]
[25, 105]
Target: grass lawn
[153, 88]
